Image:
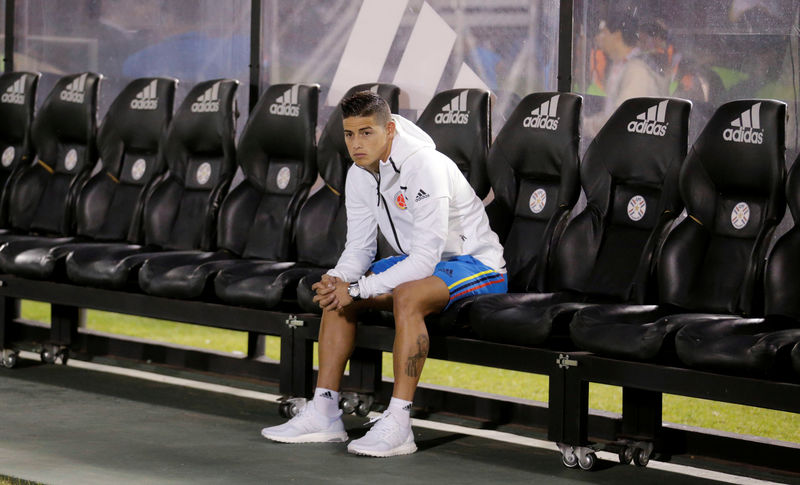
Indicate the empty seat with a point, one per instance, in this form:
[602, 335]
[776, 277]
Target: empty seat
[629, 174]
[459, 121]
[109, 205]
[16, 118]
[277, 153]
[732, 186]
[533, 169]
[41, 199]
[319, 229]
[756, 346]
[180, 212]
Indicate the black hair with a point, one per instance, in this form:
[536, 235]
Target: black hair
[626, 23]
[366, 103]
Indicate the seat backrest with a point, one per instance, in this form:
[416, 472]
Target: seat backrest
[277, 154]
[781, 284]
[16, 118]
[459, 121]
[110, 205]
[321, 229]
[182, 206]
[629, 174]
[64, 132]
[533, 169]
[733, 186]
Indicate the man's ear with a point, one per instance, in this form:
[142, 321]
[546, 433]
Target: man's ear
[390, 128]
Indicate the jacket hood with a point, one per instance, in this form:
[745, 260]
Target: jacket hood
[408, 140]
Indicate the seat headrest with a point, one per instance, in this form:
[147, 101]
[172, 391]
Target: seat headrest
[16, 104]
[641, 140]
[459, 121]
[541, 133]
[70, 107]
[282, 127]
[741, 149]
[332, 157]
[136, 120]
[204, 126]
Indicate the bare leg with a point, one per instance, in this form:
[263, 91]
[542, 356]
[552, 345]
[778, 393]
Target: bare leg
[337, 336]
[412, 302]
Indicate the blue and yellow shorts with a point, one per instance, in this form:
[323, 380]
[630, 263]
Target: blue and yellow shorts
[463, 275]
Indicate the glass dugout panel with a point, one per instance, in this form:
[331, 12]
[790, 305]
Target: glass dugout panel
[507, 46]
[708, 52]
[192, 40]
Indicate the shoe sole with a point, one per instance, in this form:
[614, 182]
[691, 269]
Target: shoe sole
[404, 449]
[308, 438]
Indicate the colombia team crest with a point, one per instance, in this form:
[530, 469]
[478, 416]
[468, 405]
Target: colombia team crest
[400, 200]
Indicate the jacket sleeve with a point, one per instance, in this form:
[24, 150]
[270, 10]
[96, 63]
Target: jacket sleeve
[429, 202]
[362, 231]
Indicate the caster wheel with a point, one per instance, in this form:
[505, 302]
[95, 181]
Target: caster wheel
[63, 355]
[348, 405]
[569, 459]
[363, 409]
[9, 359]
[588, 461]
[641, 457]
[283, 409]
[626, 455]
[48, 356]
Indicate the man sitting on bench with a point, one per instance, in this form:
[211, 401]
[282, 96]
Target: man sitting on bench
[430, 214]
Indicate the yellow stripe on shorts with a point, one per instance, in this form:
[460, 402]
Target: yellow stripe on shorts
[470, 278]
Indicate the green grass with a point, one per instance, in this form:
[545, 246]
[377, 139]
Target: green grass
[676, 409]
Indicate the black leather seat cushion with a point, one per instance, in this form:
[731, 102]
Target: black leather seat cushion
[180, 212]
[259, 284]
[277, 155]
[109, 205]
[796, 359]
[756, 346]
[712, 260]
[605, 253]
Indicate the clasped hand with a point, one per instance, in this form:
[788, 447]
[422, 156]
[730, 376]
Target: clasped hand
[331, 293]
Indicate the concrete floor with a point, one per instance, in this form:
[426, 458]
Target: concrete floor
[61, 424]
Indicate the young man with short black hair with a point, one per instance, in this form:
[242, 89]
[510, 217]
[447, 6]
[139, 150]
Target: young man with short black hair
[431, 216]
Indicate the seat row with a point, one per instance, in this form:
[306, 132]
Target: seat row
[159, 215]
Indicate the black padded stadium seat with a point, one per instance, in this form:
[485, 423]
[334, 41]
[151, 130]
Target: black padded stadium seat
[180, 211]
[533, 169]
[17, 102]
[459, 121]
[629, 174]
[320, 226]
[277, 154]
[109, 205]
[756, 346]
[41, 199]
[732, 186]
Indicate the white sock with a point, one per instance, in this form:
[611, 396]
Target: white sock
[326, 402]
[401, 410]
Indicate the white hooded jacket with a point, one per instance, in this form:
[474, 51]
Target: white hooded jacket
[424, 207]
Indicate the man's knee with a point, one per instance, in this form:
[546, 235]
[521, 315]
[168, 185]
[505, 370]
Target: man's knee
[408, 300]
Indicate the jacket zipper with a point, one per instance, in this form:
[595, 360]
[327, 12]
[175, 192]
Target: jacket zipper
[388, 214]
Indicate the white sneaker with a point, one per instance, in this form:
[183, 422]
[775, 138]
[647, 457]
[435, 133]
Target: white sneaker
[308, 426]
[386, 438]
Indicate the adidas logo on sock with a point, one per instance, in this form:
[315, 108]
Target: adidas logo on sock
[74, 92]
[286, 104]
[651, 122]
[146, 99]
[746, 128]
[208, 102]
[326, 395]
[455, 112]
[421, 195]
[544, 116]
[407, 407]
[15, 94]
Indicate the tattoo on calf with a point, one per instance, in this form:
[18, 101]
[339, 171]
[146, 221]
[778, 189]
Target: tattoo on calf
[415, 362]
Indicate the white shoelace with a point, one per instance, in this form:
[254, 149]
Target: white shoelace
[382, 426]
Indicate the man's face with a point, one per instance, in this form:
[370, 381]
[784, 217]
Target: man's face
[367, 140]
